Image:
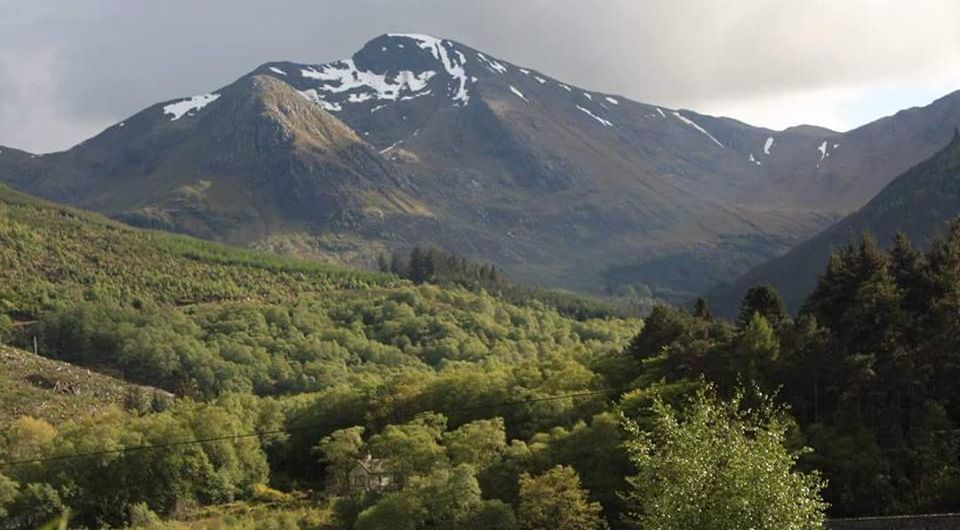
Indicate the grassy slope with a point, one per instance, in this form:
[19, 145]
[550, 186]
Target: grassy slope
[51, 255]
[31, 385]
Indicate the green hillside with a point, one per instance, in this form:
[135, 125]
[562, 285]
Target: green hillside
[488, 409]
[52, 255]
[31, 385]
[333, 348]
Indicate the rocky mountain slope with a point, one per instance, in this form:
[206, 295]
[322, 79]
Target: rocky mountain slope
[916, 203]
[421, 141]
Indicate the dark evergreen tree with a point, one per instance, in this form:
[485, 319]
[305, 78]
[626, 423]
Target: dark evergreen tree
[765, 300]
[701, 309]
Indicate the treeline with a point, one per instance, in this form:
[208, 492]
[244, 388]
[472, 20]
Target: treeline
[599, 472]
[443, 268]
[869, 368]
[312, 343]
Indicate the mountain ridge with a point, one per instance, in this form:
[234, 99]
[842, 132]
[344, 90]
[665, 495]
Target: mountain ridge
[917, 203]
[451, 147]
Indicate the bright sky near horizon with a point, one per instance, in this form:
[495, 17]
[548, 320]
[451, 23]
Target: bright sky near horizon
[70, 68]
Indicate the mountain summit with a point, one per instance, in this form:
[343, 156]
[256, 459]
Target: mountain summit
[417, 140]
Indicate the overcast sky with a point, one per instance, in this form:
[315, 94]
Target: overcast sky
[69, 68]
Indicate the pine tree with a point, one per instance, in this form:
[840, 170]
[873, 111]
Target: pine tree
[909, 269]
[701, 309]
[765, 300]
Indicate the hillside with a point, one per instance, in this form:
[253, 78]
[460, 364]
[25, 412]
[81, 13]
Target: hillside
[917, 203]
[259, 343]
[31, 385]
[422, 141]
[179, 313]
[51, 255]
[293, 371]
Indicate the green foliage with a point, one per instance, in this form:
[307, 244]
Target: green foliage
[412, 448]
[867, 369]
[353, 364]
[478, 443]
[6, 328]
[442, 268]
[53, 256]
[8, 494]
[142, 517]
[556, 500]
[720, 466]
[444, 498]
[94, 487]
[765, 300]
[340, 451]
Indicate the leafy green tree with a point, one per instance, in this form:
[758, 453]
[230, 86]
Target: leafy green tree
[445, 498]
[8, 493]
[756, 349]
[492, 515]
[717, 465]
[555, 500]
[450, 497]
[478, 443]
[36, 504]
[28, 438]
[412, 448]
[395, 511]
[340, 451]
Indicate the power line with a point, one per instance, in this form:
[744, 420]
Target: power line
[287, 430]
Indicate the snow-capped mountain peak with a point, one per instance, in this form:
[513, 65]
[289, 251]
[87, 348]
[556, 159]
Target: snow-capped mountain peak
[388, 69]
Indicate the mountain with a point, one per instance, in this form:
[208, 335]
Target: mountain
[422, 141]
[917, 203]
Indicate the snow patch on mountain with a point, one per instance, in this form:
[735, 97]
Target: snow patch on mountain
[189, 106]
[754, 160]
[345, 76]
[768, 145]
[492, 64]
[605, 123]
[518, 93]
[693, 124]
[825, 152]
[612, 100]
[313, 96]
[454, 64]
[276, 70]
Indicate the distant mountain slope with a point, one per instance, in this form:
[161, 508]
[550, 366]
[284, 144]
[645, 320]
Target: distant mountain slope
[916, 203]
[422, 141]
